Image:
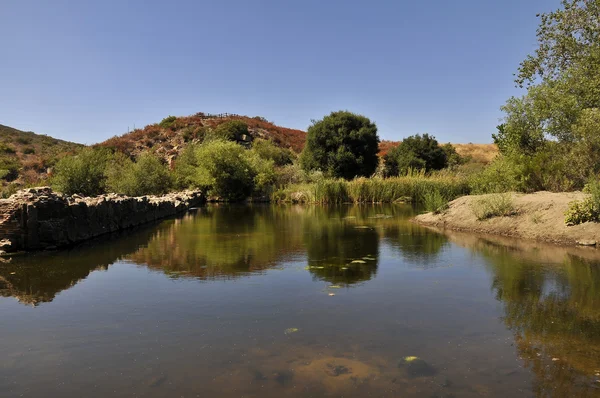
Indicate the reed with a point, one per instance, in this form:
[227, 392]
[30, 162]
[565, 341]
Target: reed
[431, 191]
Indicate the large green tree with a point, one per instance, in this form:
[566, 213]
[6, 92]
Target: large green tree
[417, 152]
[343, 144]
[552, 133]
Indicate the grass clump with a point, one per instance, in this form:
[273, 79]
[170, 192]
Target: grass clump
[493, 205]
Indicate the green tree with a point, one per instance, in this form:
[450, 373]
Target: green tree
[416, 152]
[550, 134]
[147, 176]
[343, 144]
[83, 173]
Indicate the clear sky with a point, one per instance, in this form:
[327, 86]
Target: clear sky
[88, 70]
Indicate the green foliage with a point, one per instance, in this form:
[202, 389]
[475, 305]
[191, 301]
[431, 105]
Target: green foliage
[194, 133]
[434, 201]
[493, 205]
[416, 188]
[29, 150]
[418, 152]
[6, 149]
[23, 140]
[232, 130]
[342, 145]
[587, 210]
[552, 134]
[147, 176]
[82, 174]
[566, 37]
[269, 151]
[225, 169]
[167, 122]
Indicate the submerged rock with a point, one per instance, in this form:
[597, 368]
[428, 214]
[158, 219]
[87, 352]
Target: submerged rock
[417, 367]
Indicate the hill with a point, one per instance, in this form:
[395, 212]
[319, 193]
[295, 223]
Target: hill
[26, 156]
[170, 136]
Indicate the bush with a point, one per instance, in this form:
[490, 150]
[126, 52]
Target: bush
[493, 205]
[147, 176]
[232, 130]
[225, 169]
[6, 149]
[168, 122]
[587, 210]
[499, 176]
[269, 151]
[418, 152]
[82, 174]
[9, 168]
[29, 151]
[23, 140]
[343, 145]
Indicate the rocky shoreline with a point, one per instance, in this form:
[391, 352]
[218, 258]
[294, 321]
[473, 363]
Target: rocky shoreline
[39, 218]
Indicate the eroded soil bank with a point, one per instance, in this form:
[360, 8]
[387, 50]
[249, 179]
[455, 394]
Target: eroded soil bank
[539, 216]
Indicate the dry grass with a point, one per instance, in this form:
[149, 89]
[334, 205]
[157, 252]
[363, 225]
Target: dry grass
[479, 153]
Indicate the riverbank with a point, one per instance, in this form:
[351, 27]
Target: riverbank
[39, 218]
[539, 216]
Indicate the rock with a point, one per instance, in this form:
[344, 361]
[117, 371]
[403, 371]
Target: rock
[586, 242]
[38, 218]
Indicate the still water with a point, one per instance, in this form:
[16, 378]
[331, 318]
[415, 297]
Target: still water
[273, 301]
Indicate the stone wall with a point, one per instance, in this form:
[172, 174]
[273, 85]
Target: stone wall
[38, 218]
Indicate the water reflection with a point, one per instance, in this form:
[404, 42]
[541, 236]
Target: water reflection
[342, 245]
[551, 300]
[37, 278]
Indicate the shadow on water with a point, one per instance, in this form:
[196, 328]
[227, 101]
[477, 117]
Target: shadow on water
[551, 301]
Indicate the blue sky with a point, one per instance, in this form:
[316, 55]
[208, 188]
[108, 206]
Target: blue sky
[85, 71]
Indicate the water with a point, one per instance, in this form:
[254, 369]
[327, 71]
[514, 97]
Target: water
[237, 302]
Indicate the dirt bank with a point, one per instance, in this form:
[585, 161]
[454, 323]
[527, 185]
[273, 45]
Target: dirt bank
[539, 216]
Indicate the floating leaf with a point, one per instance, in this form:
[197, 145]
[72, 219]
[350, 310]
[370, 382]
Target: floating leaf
[362, 227]
[335, 287]
[344, 268]
[290, 330]
[13, 273]
[410, 359]
[369, 258]
[332, 294]
[358, 262]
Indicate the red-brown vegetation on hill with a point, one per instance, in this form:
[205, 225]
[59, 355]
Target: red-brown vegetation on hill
[167, 139]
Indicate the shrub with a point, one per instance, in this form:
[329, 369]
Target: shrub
[167, 122]
[147, 176]
[343, 145]
[82, 174]
[225, 169]
[6, 149]
[29, 150]
[23, 140]
[587, 210]
[232, 130]
[9, 168]
[500, 176]
[420, 152]
[266, 149]
[493, 205]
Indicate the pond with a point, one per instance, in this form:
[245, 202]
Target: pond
[292, 301]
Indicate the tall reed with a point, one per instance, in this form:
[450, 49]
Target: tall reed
[431, 191]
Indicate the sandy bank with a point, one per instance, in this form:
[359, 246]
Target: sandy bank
[539, 216]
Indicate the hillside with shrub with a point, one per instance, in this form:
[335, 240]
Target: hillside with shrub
[169, 137]
[26, 157]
